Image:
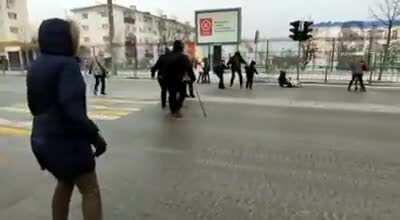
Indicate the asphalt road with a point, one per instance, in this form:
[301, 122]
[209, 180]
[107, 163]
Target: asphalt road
[312, 153]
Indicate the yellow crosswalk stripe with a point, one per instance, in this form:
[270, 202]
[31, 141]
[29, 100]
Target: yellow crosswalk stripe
[12, 131]
[111, 113]
[106, 109]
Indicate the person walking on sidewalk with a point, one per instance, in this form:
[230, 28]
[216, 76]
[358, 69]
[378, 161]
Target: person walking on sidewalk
[250, 71]
[189, 80]
[360, 76]
[159, 67]
[3, 64]
[100, 73]
[236, 66]
[205, 74]
[62, 134]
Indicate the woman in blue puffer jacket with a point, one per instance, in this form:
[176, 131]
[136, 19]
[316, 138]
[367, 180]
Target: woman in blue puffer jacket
[63, 135]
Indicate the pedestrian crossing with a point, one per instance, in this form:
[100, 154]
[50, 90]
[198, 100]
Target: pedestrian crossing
[99, 109]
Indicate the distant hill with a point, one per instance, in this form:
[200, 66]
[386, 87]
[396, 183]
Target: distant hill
[359, 24]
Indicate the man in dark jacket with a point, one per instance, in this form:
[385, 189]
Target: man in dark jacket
[159, 67]
[219, 70]
[235, 63]
[250, 71]
[62, 134]
[177, 66]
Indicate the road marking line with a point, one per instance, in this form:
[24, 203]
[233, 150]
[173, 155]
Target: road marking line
[17, 124]
[102, 117]
[96, 112]
[102, 107]
[121, 101]
[341, 106]
[10, 131]
[110, 113]
[16, 109]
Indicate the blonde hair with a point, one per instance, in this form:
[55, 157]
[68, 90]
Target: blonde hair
[75, 35]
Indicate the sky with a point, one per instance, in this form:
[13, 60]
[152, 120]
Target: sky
[271, 17]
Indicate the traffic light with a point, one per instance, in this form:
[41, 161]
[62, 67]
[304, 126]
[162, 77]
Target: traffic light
[295, 31]
[301, 31]
[308, 30]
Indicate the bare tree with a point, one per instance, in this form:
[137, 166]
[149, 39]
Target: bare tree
[387, 13]
[309, 49]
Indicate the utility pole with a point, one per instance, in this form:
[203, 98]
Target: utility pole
[333, 54]
[267, 57]
[256, 43]
[371, 41]
[301, 31]
[111, 34]
[298, 61]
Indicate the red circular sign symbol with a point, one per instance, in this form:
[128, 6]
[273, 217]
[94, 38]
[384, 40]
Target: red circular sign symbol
[206, 27]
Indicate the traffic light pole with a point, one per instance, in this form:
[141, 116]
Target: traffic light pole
[298, 61]
[300, 32]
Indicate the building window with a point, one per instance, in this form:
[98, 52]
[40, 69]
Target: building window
[85, 27]
[14, 30]
[86, 39]
[85, 16]
[395, 35]
[106, 38]
[12, 15]
[103, 14]
[129, 20]
[10, 4]
[105, 26]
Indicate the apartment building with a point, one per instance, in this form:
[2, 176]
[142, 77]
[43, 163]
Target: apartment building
[15, 36]
[352, 38]
[138, 35]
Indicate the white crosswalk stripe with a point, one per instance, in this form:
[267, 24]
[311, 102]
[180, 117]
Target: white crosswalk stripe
[338, 106]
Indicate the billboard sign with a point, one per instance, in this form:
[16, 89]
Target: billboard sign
[221, 26]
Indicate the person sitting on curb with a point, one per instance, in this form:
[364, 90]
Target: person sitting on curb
[283, 81]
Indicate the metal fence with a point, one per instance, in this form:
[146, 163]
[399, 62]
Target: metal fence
[327, 63]
[325, 60]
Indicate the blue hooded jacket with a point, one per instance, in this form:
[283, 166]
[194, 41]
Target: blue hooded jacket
[62, 133]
